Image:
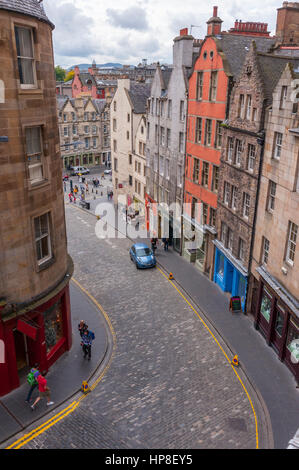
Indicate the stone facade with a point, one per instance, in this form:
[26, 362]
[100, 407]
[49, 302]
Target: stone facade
[84, 128]
[275, 265]
[138, 171]
[34, 265]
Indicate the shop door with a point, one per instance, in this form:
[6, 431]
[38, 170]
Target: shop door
[278, 324]
[265, 312]
[21, 350]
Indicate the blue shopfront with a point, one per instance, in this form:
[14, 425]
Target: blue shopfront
[228, 275]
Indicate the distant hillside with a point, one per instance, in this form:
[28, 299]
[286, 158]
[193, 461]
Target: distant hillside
[86, 66]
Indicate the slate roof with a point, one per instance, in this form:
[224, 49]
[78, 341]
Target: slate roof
[236, 47]
[139, 93]
[85, 76]
[99, 104]
[271, 68]
[166, 74]
[27, 7]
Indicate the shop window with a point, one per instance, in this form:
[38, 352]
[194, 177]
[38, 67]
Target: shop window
[279, 320]
[221, 265]
[293, 340]
[53, 325]
[266, 305]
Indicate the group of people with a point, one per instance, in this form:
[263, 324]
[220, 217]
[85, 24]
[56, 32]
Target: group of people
[154, 243]
[87, 338]
[36, 379]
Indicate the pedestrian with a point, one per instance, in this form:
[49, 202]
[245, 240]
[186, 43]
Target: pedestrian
[32, 381]
[86, 188]
[64, 186]
[44, 391]
[154, 244]
[70, 197]
[74, 199]
[82, 327]
[166, 244]
[111, 195]
[87, 338]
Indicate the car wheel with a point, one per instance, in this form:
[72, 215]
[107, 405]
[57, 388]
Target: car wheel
[137, 267]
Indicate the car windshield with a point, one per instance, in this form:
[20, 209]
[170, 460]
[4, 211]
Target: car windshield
[143, 252]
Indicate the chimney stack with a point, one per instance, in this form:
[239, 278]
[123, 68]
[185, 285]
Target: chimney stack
[214, 23]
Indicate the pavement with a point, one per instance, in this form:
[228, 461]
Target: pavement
[65, 376]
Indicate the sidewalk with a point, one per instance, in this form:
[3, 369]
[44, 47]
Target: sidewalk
[65, 376]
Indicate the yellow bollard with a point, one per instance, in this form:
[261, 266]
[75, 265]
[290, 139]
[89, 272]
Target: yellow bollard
[85, 387]
[170, 276]
[235, 361]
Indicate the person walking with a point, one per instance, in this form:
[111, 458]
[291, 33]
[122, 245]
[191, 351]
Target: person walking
[82, 327]
[44, 391]
[166, 244]
[70, 197]
[31, 379]
[87, 338]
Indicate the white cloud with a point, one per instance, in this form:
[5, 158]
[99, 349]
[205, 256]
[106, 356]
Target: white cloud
[87, 30]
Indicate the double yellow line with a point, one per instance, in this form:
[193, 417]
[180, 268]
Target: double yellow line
[72, 407]
[221, 348]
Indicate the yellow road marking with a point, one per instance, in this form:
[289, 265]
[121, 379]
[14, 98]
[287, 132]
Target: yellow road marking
[66, 411]
[217, 342]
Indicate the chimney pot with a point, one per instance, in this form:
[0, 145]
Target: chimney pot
[215, 11]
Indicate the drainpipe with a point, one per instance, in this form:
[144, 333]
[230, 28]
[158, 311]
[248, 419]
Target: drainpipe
[184, 175]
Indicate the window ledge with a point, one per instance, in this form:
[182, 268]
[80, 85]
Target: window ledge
[39, 184]
[30, 91]
[45, 264]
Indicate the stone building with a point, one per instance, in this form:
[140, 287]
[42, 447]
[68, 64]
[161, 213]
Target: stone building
[35, 269]
[84, 128]
[215, 70]
[274, 289]
[138, 169]
[239, 172]
[127, 112]
[166, 130]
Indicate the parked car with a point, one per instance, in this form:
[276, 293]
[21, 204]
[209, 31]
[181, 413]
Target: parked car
[107, 172]
[142, 256]
[79, 169]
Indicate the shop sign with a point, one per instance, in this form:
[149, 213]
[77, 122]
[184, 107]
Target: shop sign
[27, 329]
[235, 304]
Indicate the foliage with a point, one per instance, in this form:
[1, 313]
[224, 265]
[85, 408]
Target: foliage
[69, 76]
[60, 73]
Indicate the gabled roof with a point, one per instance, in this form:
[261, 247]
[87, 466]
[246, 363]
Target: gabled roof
[85, 77]
[139, 93]
[235, 48]
[271, 68]
[27, 7]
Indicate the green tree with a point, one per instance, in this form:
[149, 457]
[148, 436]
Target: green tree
[69, 76]
[60, 73]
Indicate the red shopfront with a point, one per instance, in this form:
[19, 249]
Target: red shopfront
[40, 335]
[278, 322]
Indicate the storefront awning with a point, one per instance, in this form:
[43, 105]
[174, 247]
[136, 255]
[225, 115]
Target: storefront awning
[29, 330]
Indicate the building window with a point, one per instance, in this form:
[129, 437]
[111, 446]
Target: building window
[230, 239]
[128, 135]
[114, 106]
[156, 135]
[291, 243]
[283, 96]
[34, 154]
[86, 140]
[162, 136]
[114, 125]
[73, 116]
[25, 55]
[182, 113]
[169, 110]
[157, 107]
[114, 145]
[195, 170]
[53, 325]
[212, 217]
[204, 213]
[271, 196]
[226, 193]
[230, 149]
[199, 86]
[198, 130]
[223, 233]
[241, 106]
[167, 168]
[215, 179]
[179, 176]
[246, 205]
[241, 251]
[86, 129]
[205, 174]
[161, 165]
[213, 87]
[128, 117]
[74, 129]
[181, 142]
[234, 197]
[277, 145]
[266, 305]
[265, 250]
[168, 138]
[42, 238]
[130, 159]
[248, 107]
[64, 118]
[238, 152]
[93, 116]
[115, 164]
[94, 129]
[94, 142]
[130, 180]
[218, 136]
[208, 132]
[148, 130]
[254, 114]
[65, 131]
[86, 116]
[293, 334]
[156, 163]
[162, 108]
[251, 157]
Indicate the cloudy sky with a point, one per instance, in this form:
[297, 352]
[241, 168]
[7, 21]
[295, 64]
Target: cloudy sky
[129, 31]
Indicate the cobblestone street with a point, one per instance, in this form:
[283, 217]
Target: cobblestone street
[169, 384]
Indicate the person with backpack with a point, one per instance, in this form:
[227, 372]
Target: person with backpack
[31, 379]
[43, 389]
[87, 338]
[82, 327]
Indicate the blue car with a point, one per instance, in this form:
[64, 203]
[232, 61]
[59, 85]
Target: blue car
[142, 256]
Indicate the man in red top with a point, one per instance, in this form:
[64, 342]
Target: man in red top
[44, 391]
